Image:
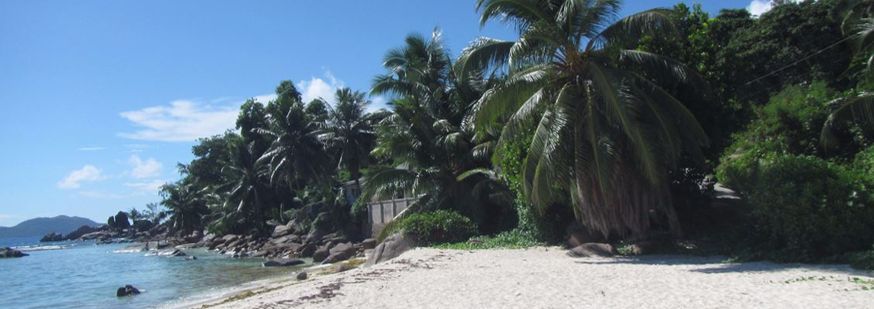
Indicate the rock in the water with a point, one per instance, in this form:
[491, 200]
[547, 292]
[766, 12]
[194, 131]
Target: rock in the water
[592, 249]
[320, 254]
[127, 290]
[173, 252]
[391, 247]
[190, 258]
[369, 243]
[302, 275]
[340, 252]
[282, 262]
[11, 253]
[52, 237]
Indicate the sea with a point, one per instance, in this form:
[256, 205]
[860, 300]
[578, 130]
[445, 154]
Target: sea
[81, 274]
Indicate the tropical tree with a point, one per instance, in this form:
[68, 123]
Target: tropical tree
[428, 148]
[606, 134]
[858, 24]
[296, 157]
[349, 133]
[247, 190]
[187, 206]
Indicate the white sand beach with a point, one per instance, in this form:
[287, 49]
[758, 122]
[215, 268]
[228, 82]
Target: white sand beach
[547, 278]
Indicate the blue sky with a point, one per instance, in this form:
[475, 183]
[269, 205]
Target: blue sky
[101, 99]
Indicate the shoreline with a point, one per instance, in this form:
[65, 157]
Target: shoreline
[544, 277]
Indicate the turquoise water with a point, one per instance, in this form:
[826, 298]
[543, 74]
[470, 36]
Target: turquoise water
[86, 275]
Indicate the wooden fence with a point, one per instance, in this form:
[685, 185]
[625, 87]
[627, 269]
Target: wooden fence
[383, 212]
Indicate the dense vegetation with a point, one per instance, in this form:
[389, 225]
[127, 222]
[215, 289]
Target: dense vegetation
[589, 120]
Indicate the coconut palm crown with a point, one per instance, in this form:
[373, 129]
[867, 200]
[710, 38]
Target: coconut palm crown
[606, 134]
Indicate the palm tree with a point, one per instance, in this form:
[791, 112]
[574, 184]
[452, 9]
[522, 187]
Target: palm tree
[424, 140]
[186, 204]
[606, 134]
[858, 24]
[247, 189]
[296, 157]
[349, 133]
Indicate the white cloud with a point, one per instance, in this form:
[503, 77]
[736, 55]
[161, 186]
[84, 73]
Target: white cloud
[87, 173]
[188, 120]
[146, 186]
[264, 98]
[377, 103]
[144, 168]
[92, 148]
[181, 121]
[317, 87]
[759, 7]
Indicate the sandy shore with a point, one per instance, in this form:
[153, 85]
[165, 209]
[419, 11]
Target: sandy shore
[547, 278]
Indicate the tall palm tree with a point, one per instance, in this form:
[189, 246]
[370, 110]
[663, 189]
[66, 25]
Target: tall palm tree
[606, 134]
[296, 156]
[424, 139]
[247, 190]
[349, 133]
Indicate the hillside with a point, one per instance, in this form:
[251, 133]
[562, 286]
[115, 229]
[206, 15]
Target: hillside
[43, 226]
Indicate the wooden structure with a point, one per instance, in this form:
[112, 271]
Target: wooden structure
[379, 212]
[382, 212]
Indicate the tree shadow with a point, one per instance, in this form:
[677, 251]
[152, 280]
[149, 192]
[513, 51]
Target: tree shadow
[719, 265]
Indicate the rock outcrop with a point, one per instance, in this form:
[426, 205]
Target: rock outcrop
[340, 252]
[592, 249]
[11, 253]
[390, 248]
[52, 237]
[282, 262]
[126, 290]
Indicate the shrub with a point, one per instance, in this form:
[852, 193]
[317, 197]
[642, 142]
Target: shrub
[513, 239]
[863, 260]
[864, 164]
[436, 227]
[801, 207]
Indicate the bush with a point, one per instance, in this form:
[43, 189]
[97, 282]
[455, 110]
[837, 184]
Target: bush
[801, 207]
[513, 239]
[864, 164]
[863, 260]
[436, 227]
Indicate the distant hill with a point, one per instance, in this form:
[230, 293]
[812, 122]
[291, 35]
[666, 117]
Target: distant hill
[43, 226]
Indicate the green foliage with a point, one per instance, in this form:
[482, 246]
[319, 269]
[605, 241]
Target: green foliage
[433, 227]
[791, 122]
[864, 164]
[863, 260]
[782, 37]
[601, 115]
[802, 207]
[513, 239]
[427, 148]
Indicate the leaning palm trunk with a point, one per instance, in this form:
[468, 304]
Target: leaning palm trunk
[627, 201]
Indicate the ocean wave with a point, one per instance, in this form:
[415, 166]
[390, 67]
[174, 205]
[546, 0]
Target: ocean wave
[39, 248]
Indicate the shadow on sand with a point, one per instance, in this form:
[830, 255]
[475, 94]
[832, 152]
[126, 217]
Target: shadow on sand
[718, 264]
